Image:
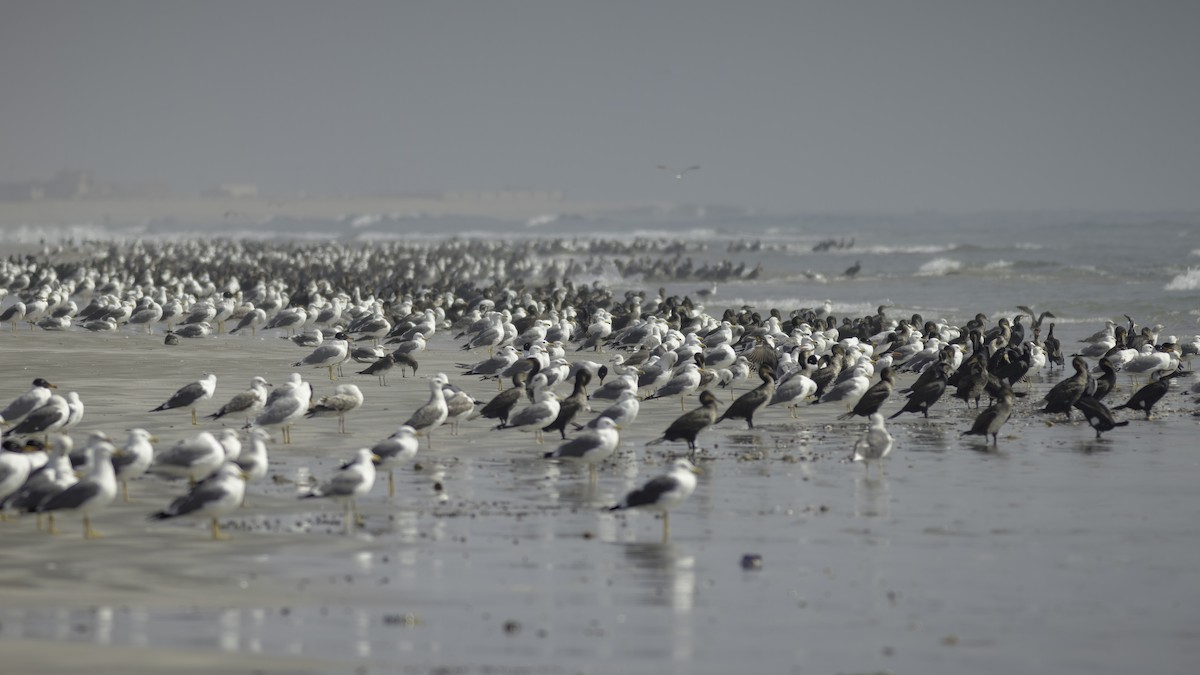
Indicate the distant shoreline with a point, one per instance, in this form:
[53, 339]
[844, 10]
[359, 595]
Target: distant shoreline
[248, 211]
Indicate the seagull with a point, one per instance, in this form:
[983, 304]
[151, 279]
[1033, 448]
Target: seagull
[230, 443]
[248, 402]
[685, 381]
[678, 173]
[253, 462]
[434, 413]
[346, 397]
[353, 480]
[793, 390]
[395, 449]
[46, 419]
[591, 447]
[664, 492]
[194, 458]
[51, 479]
[26, 403]
[14, 468]
[74, 410]
[191, 395]
[538, 414]
[459, 404]
[624, 412]
[285, 405]
[289, 319]
[135, 459]
[874, 444]
[13, 314]
[309, 339]
[252, 319]
[329, 354]
[218, 495]
[88, 495]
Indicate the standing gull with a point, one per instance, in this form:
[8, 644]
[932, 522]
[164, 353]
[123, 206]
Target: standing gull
[345, 398]
[246, 403]
[431, 415]
[193, 458]
[398, 448]
[537, 415]
[57, 475]
[135, 459]
[591, 447]
[191, 395]
[26, 403]
[14, 469]
[682, 383]
[46, 419]
[353, 480]
[624, 412]
[459, 404]
[88, 495]
[254, 462]
[664, 492]
[286, 405]
[219, 495]
[328, 355]
[74, 410]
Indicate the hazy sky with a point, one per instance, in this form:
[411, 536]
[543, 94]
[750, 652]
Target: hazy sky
[788, 106]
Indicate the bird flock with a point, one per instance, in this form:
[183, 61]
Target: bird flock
[579, 360]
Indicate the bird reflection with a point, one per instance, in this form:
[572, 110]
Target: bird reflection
[666, 575]
[1092, 445]
[872, 498]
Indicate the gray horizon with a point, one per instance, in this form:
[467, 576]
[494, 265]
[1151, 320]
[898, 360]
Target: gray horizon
[786, 106]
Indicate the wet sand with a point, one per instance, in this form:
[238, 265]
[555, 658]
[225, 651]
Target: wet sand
[1056, 553]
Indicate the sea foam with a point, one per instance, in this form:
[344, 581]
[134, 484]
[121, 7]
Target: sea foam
[1188, 281]
[939, 267]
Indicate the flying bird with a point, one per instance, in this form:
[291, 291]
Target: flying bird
[678, 173]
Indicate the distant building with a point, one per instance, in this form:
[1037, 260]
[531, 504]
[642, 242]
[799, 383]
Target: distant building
[66, 184]
[232, 191]
[71, 184]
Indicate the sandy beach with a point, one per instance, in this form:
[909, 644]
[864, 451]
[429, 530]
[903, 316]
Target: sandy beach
[1056, 553]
